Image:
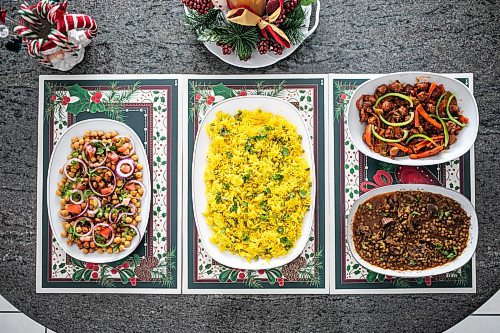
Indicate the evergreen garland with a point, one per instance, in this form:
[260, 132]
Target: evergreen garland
[214, 28]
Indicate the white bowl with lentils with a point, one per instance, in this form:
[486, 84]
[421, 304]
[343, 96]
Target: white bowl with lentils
[98, 191]
[412, 230]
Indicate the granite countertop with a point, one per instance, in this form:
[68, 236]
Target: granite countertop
[353, 37]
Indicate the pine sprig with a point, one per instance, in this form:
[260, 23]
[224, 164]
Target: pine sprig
[293, 24]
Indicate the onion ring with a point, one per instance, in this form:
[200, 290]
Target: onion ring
[69, 218]
[132, 212]
[138, 183]
[112, 235]
[97, 164]
[75, 223]
[132, 150]
[68, 164]
[114, 182]
[135, 228]
[119, 165]
[71, 197]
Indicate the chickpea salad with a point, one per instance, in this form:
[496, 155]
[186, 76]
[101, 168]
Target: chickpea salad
[100, 193]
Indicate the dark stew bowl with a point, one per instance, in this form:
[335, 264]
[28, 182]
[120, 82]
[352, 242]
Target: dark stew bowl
[412, 230]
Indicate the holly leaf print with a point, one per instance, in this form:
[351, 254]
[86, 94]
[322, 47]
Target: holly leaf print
[83, 99]
[222, 90]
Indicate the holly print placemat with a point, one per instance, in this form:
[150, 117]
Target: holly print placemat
[309, 272]
[149, 105]
[354, 174]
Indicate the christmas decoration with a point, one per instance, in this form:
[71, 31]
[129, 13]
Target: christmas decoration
[50, 34]
[245, 27]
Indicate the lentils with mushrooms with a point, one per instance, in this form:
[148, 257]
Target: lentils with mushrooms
[410, 230]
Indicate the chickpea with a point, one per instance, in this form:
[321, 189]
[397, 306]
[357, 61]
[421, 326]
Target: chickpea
[109, 250]
[113, 134]
[128, 237]
[100, 133]
[140, 191]
[117, 240]
[108, 135]
[128, 219]
[138, 166]
[138, 219]
[134, 157]
[138, 204]
[99, 250]
[94, 133]
[87, 133]
[91, 250]
[76, 145]
[134, 200]
[127, 244]
[85, 251]
[122, 248]
[134, 223]
[64, 212]
[69, 242]
[58, 193]
[64, 234]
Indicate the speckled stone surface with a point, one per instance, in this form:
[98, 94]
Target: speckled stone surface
[362, 36]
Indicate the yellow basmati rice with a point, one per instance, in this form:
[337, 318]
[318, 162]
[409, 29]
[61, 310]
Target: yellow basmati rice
[258, 184]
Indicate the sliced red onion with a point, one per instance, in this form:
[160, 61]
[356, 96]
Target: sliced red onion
[65, 168]
[118, 170]
[132, 150]
[135, 228]
[114, 182]
[84, 154]
[94, 211]
[138, 183]
[132, 212]
[71, 197]
[75, 223]
[69, 218]
[112, 234]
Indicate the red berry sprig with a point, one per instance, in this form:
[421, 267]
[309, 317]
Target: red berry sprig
[288, 7]
[201, 6]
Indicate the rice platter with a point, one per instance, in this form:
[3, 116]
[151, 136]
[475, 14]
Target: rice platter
[258, 184]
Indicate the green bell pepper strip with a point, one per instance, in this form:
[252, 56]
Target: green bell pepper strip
[449, 114]
[423, 136]
[381, 138]
[404, 123]
[439, 102]
[395, 95]
[445, 129]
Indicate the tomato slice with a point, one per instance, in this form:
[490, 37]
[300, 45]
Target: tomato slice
[105, 232]
[106, 190]
[74, 208]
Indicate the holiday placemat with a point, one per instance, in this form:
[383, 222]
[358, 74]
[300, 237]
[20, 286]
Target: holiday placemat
[353, 174]
[309, 272]
[149, 105]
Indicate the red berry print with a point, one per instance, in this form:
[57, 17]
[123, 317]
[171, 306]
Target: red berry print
[210, 99]
[241, 275]
[53, 97]
[96, 98]
[428, 281]
[281, 282]
[126, 265]
[95, 268]
[260, 271]
[95, 275]
[114, 271]
[89, 265]
[243, 93]
[65, 100]
[133, 281]
[343, 96]
[119, 267]
[197, 97]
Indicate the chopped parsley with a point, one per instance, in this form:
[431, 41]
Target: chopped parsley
[223, 131]
[218, 197]
[285, 152]
[267, 191]
[277, 177]
[75, 155]
[303, 194]
[229, 154]
[249, 148]
[281, 230]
